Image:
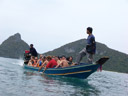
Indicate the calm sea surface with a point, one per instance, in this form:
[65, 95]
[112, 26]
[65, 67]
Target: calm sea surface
[17, 81]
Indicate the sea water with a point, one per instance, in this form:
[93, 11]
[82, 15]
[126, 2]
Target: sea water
[17, 81]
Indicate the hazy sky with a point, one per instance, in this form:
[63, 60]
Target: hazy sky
[49, 24]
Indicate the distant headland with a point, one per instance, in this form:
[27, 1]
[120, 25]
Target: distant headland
[14, 47]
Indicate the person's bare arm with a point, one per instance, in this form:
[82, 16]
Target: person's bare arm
[57, 65]
[46, 62]
[36, 64]
[61, 63]
[29, 63]
[44, 70]
[43, 65]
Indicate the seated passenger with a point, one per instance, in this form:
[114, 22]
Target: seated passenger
[35, 62]
[57, 60]
[51, 63]
[64, 63]
[40, 61]
[45, 62]
[31, 61]
[40, 58]
[70, 60]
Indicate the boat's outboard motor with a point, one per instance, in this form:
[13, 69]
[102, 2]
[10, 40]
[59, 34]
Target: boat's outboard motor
[27, 56]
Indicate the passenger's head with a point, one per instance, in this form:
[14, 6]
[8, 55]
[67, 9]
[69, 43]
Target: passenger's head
[60, 57]
[41, 56]
[36, 58]
[63, 57]
[32, 57]
[56, 58]
[31, 45]
[53, 57]
[49, 58]
[89, 30]
[43, 59]
[70, 58]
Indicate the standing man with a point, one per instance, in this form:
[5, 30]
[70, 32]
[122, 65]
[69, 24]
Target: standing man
[90, 48]
[33, 51]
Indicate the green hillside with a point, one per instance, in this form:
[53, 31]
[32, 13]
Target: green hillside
[118, 61]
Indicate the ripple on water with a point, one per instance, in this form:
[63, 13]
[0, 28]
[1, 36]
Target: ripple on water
[16, 81]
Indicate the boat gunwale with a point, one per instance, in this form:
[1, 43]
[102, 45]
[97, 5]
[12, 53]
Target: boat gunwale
[66, 68]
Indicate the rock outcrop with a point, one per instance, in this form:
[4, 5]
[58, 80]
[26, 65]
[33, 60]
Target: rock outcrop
[13, 47]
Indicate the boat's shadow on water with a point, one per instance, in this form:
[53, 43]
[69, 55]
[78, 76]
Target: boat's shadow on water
[80, 86]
